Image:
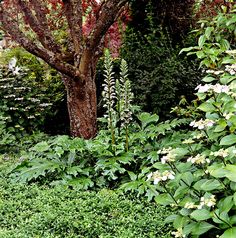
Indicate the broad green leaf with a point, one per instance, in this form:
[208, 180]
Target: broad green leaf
[225, 204]
[200, 215]
[208, 79]
[228, 140]
[231, 172]
[147, 118]
[207, 107]
[41, 147]
[187, 178]
[164, 199]
[201, 228]
[208, 32]
[201, 41]
[230, 233]
[207, 185]
[217, 170]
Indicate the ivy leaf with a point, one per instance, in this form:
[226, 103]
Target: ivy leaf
[228, 140]
[230, 233]
[200, 215]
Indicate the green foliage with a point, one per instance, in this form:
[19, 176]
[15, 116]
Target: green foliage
[30, 92]
[159, 76]
[34, 211]
[200, 182]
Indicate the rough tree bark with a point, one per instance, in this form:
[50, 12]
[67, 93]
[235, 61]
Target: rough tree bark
[78, 64]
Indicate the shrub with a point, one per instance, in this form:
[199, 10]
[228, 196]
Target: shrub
[30, 92]
[159, 76]
[200, 184]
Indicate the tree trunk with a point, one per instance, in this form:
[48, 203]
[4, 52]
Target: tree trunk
[82, 105]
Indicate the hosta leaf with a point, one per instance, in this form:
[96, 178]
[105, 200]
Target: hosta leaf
[201, 41]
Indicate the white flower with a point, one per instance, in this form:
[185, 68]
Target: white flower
[188, 141]
[209, 202]
[158, 176]
[220, 153]
[203, 88]
[202, 124]
[178, 233]
[12, 64]
[189, 205]
[198, 159]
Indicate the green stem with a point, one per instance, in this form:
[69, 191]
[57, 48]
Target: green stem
[170, 194]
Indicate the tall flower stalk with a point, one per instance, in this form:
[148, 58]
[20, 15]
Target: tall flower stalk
[117, 98]
[109, 94]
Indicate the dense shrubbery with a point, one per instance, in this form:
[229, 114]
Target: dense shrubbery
[31, 93]
[159, 76]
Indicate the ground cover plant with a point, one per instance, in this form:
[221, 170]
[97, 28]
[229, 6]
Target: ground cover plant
[41, 211]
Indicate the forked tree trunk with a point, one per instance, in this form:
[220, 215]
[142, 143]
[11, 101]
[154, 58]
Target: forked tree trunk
[82, 105]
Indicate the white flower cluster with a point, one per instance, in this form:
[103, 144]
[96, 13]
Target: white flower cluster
[178, 233]
[169, 155]
[10, 96]
[202, 124]
[45, 104]
[190, 205]
[188, 141]
[216, 72]
[209, 202]
[161, 176]
[231, 69]
[220, 153]
[217, 88]
[198, 159]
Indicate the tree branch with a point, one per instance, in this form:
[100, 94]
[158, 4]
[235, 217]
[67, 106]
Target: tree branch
[109, 12]
[43, 35]
[73, 12]
[12, 28]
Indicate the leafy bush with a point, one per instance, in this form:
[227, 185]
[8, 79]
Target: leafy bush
[200, 184]
[123, 153]
[159, 76]
[34, 211]
[30, 91]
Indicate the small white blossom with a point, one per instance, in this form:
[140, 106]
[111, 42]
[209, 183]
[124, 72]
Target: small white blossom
[202, 124]
[188, 141]
[198, 159]
[190, 205]
[178, 233]
[203, 88]
[209, 202]
[161, 176]
[231, 69]
[220, 153]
